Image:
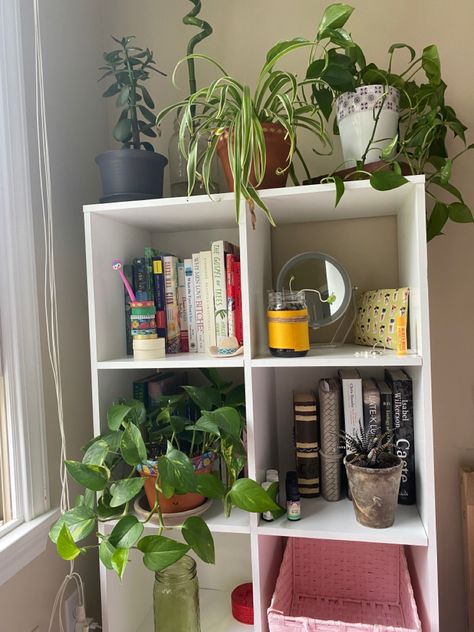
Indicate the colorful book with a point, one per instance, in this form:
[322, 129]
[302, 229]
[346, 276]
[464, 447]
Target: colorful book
[172, 310]
[402, 388]
[351, 383]
[239, 333]
[386, 405]
[182, 309]
[230, 291]
[219, 251]
[190, 307]
[372, 410]
[142, 280]
[159, 294]
[198, 306]
[306, 440]
[128, 272]
[207, 293]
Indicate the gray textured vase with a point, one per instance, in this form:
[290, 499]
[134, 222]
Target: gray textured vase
[375, 491]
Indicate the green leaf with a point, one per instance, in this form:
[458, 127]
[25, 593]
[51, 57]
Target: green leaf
[104, 510]
[93, 477]
[227, 419]
[126, 532]
[340, 188]
[65, 545]
[272, 491]
[438, 218]
[147, 98]
[431, 64]
[282, 47]
[210, 486]
[122, 98]
[160, 552]
[166, 476]
[121, 133]
[445, 173]
[132, 446]
[447, 186]
[116, 415]
[388, 149]
[334, 17]
[459, 212]
[386, 180]
[205, 398]
[236, 396]
[197, 534]
[205, 424]
[119, 561]
[124, 490]
[106, 551]
[148, 114]
[393, 47]
[112, 90]
[216, 380]
[79, 520]
[250, 496]
[323, 98]
[182, 477]
[96, 452]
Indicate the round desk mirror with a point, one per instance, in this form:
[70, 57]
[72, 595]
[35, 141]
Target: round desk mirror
[326, 283]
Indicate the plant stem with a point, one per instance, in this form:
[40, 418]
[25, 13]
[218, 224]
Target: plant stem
[376, 122]
[132, 100]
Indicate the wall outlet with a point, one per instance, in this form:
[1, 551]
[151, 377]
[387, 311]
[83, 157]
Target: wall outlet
[69, 609]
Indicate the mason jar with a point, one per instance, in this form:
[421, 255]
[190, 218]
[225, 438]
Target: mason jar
[176, 597]
[288, 330]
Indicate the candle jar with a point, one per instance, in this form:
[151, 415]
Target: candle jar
[176, 597]
[287, 316]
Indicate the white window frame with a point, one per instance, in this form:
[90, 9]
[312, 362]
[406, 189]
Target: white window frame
[25, 536]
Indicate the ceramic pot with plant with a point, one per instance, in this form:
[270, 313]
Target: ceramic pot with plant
[134, 172]
[343, 79]
[374, 476]
[254, 132]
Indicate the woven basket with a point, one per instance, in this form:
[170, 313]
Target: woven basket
[328, 585]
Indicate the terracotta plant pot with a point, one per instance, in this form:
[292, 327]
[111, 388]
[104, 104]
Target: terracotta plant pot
[179, 502]
[277, 148]
[374, 491]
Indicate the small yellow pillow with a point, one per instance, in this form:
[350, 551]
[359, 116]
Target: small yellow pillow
[377, 312]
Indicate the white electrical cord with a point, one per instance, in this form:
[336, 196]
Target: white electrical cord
[50, 302]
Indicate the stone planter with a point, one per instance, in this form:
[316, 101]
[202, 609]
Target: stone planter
[374, 491]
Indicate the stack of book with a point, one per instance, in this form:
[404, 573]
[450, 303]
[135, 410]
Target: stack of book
[198, 300]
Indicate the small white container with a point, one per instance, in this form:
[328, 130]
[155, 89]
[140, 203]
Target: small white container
[270, 478]
[152, 349]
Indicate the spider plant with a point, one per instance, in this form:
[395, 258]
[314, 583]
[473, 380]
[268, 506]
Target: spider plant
[365, 448]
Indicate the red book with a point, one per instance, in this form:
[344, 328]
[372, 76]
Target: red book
[239, 334]
[230, 290]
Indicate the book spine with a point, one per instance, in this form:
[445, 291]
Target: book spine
[239, 333]
[352, 399]
[386, 410]
[372, 413]
[230, 294]
[128, 272]
[219, 283]
[140, 392]
[404, 438]
[141, 280]
[190, 307]
[198, 306]
[207, 300]
[183, 315]
[160, 298]
[150, 281]
[307, 449]
[172, 312]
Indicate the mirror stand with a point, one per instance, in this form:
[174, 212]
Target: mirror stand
[334, 343]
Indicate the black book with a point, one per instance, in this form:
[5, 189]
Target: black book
[372, 412]
[402, 388]
[386, 405]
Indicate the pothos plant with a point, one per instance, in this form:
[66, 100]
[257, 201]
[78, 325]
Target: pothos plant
[110, 464]
[426, 121]
[128, 67]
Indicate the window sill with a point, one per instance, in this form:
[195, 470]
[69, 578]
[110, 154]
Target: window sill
[20, 546]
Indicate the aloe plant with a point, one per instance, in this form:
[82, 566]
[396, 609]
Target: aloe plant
[366, 449]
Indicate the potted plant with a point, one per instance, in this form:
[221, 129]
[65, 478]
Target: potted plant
[389, 117]
[374, 476]
[253, 132]
[134, 172]
[110, 465]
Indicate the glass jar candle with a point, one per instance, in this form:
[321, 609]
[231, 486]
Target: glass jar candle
[176, 597]
[287, 316]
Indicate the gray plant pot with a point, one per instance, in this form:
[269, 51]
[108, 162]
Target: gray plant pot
[131, 174]
[375, 491]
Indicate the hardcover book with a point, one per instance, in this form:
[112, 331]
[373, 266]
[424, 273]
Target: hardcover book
[386, 405]
[230, 289]
[190, 307]
[182, 309]
[172, 311]
[307, 448]
[160, 298]
[239, 334]
[330, 408]
[142, 282]
[402, 388]
[198, 307]
[207, 293]
[219, 251]
[351, 383]
[372, 410]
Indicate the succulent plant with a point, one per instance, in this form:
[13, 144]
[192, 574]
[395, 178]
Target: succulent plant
[365, 448]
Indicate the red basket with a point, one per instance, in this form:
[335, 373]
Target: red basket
[328, 585]
[242, 603]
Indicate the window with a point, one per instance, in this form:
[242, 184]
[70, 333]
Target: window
[24, 497]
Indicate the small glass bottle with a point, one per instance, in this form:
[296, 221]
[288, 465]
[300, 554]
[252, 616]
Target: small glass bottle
[176, 597]
[270, 478]
[288, 331]
[293, 499]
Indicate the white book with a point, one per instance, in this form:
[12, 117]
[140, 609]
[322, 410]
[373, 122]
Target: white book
[351, 382]
[207, 293]
[198, 307]
[219, 249]
[183, 312]
[190, 307]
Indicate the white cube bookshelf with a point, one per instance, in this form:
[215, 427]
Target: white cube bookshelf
[248, 548]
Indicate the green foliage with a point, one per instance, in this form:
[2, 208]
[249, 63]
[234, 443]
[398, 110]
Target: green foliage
[128, 67]
[200, 418]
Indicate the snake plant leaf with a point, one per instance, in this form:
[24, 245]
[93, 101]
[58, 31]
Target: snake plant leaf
[160, 552]
[197, 534]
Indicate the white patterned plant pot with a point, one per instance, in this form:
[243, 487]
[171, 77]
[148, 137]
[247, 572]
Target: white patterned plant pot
[356, 116]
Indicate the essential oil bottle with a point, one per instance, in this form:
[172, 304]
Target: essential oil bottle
[293, 499]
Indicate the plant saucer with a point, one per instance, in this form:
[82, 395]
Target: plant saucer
[140, 507]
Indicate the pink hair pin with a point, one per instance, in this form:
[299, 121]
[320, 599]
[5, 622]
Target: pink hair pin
[117, 265]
